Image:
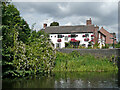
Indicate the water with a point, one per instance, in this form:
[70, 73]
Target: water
[66, 80]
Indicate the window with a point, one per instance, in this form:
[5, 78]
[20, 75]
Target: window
[66, 38]
[86, 35]
[83, 45]
[60, 36]
[58, 45]
[73, 35]
[92, 38]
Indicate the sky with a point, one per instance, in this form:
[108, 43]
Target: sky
[70, 13]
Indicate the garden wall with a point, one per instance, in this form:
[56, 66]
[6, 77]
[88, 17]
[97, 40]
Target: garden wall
[112, 54]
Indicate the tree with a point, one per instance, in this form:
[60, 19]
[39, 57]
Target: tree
[11, 16]
[23, 52]
[54, 24]
[12, 23]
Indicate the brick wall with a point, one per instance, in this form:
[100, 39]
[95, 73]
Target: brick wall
[108, 36]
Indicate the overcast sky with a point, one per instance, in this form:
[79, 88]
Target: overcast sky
[70, 13]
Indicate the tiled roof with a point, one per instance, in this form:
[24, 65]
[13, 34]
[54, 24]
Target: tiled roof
[103, 31]
[69, 29]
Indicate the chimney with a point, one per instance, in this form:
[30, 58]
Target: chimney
[89, 22]
[97, 27]
[44, 25]
[96, 33]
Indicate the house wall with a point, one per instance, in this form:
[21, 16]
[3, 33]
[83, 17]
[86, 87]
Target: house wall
[108, 36]
[54, 38]
[101, 39]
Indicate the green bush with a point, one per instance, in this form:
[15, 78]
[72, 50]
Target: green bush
[106, 46]
[23, 52]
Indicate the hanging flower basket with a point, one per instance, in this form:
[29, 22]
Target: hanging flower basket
[73, 40]
[86, 39]
[59, 40]
[69, 35]
[92, 40]
[83, 36]
[92, 35]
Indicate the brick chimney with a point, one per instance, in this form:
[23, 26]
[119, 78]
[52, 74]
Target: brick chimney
[96, 33]
[44, 25]
[97, 27]
[89, 22]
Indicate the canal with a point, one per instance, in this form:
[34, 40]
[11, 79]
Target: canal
[66, 80]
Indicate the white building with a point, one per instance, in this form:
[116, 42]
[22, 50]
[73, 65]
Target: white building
[85, 35]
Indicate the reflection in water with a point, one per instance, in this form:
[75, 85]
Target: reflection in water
[119, 78]
[118, 64]
[86, 80]
[66, 80]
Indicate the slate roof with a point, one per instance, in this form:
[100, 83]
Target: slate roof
[69, 29]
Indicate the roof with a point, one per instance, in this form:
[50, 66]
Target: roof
[105, 32]
[69, 29]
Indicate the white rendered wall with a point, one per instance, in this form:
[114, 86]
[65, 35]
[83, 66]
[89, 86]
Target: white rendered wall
[54, 38]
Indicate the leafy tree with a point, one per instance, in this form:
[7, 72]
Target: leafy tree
[54, 24]
[11, 16]
[23, 52]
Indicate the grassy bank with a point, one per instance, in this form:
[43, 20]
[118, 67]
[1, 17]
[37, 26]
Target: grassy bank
[75, 62]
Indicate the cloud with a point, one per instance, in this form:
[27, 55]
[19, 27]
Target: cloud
[68, 24]
[70, 13]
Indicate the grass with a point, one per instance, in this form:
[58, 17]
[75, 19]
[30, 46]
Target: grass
[75, 62]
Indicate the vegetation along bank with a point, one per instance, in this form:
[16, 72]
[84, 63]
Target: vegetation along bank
[75, 62]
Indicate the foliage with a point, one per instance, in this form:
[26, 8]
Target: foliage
[117, 45]
[54, 24]
[67, 45]
[11, 16]
[41, 54]
[96, 46]
[73, 45]
[76, 62]
[106, 46]
[24, 52]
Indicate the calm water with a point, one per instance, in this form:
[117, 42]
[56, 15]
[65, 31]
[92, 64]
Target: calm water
[66, 80]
